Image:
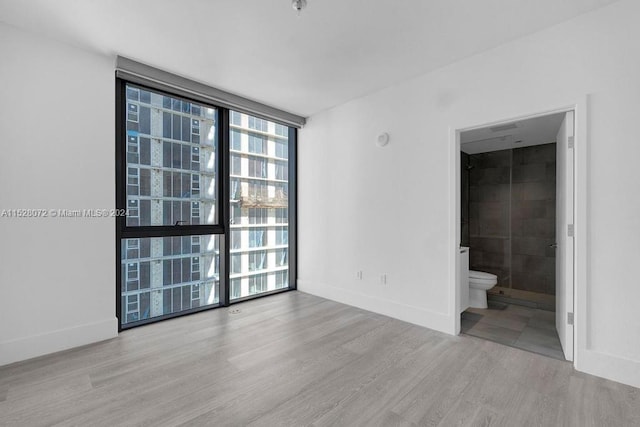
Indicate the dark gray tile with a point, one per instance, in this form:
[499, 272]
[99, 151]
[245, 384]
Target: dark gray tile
[504, 319]
[474, 210]
[504, 279]
[474, 193]
[521, 310]
[550, 287]
[512, 225]
[473, 228]
[517, 326]
[475, 257]
[535, 154]
[547, 306]
[495, 175]
[495, 260]
[528, 281]
[530, 246]
[541, 190]
[539, 265]
[490, 244]
[517, 227]
[493, 227]
[517, 192]
[550, 208]
[494, 333]
[493, 210]
[529, 172]
[493, 193]
[470, 315]
[515, 302]
[492, 159]
[517, 263]
[498, 306]
[541, 341]
[540, 228]
[468, 320]
[550, 171]
[529, 209]
[543, 319]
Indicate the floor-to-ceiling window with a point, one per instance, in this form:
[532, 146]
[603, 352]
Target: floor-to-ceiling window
[171, 234]
[259, 205]
[206, 196]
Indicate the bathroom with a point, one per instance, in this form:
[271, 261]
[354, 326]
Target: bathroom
[508, 222]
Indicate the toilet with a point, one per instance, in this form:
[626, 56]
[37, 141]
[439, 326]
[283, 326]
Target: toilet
[479, 283]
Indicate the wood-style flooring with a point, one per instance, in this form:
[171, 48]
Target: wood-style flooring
[294, 360]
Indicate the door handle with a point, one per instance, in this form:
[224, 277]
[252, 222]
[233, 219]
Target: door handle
[553, 245]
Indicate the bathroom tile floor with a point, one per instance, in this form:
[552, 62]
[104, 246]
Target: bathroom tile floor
[516, 326]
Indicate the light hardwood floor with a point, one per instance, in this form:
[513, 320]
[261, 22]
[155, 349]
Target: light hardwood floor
[295, 359]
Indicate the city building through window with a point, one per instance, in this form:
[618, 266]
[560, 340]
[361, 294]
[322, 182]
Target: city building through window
[181, 224]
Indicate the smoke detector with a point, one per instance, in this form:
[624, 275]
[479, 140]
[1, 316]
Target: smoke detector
[298, 5]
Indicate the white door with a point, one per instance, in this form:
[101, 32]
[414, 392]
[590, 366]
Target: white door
[564, 235]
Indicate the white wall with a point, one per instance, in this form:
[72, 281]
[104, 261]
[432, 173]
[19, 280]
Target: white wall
[387, 210]
[57, 275]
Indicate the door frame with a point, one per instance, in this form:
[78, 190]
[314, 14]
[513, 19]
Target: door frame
[580, 177]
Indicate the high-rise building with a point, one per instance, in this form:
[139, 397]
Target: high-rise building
[171, 180]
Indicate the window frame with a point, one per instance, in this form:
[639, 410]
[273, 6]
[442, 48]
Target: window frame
[223, 215]
[124, 231]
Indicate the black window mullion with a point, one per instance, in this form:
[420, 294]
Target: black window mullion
[293, 209]
[120, 154]
[224, 213]
[124, 231]
[169, 230]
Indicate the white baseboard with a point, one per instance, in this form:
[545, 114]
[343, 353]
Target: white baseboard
[51, 342]
[407, 313]
[614, 368]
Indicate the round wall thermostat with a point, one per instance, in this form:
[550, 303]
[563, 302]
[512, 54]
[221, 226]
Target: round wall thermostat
[383, 139]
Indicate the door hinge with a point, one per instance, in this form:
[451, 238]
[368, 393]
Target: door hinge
[571, 141]
[570, 230]
[570, 318]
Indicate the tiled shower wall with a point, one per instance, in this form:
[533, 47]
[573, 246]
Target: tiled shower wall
[511, 216]
[464, 197]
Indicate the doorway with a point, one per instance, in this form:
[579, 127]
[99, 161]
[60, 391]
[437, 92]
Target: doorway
[516, 216]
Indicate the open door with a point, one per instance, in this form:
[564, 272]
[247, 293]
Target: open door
[564, 234]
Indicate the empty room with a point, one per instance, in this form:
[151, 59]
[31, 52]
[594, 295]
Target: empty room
[319, 212]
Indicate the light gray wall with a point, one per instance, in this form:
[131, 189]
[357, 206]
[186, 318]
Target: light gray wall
[388, 210]
[57, 279]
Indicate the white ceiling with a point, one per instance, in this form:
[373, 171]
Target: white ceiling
[522, 133]
[335, 51]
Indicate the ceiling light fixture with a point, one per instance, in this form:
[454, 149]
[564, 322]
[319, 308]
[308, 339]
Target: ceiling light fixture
[298, 5]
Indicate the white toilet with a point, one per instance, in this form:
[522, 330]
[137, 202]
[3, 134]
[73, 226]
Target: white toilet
[479, 283]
